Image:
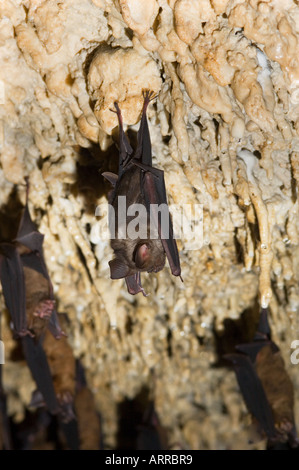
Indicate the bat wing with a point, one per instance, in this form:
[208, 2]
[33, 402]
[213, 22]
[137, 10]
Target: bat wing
[39, 367]
[261, 338]
[125, 149]
[143, 151]
[252, 349]
[71, 432]
[253, 392]
[111, 177]
[118, 269]
[154, 191]
[263, 330]
[54, 326]
[134, 284]
[27, 234]
[13, 285]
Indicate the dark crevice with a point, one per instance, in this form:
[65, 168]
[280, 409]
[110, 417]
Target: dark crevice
[238, 249]
[131, 420]
[169, 348]
[236, 332]
[257, 154]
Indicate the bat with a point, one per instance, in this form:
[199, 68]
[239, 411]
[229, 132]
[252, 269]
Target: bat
[26, 285]
[265, 385]
[141, 184]
[28, 294]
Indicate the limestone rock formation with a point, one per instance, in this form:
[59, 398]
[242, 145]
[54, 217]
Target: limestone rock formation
[224, 129]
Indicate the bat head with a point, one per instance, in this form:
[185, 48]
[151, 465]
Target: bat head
[149, 257]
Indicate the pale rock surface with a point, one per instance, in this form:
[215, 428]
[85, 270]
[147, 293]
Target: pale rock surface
[224, 129]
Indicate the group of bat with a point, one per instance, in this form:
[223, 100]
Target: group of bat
[28, 292]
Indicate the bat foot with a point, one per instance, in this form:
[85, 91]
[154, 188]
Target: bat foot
[148, 95]
[44, 309]
[116, 110]
[23, 333]
[144, 293]
[284, 426]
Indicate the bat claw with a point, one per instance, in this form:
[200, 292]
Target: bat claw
[25, 332]
[149, 95]
[118, 111]
[284, 426]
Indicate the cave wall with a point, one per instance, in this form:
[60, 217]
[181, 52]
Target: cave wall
[224, 129]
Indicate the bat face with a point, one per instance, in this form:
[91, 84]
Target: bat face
[133, 256]
[149, 256]
[141, 242]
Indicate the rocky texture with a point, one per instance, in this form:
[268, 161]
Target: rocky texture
[225, 131]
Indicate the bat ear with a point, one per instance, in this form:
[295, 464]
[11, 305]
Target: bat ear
[118, 269]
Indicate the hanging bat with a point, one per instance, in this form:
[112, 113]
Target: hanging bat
[265, 385]
[26, 285]
[141, 184]
[28, 294]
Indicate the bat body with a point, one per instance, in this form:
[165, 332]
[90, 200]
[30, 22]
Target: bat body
[265, 385]
[142, 188]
